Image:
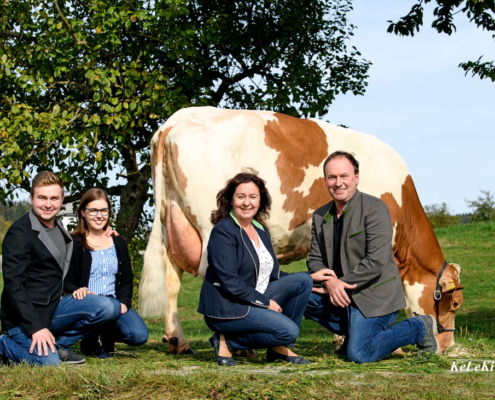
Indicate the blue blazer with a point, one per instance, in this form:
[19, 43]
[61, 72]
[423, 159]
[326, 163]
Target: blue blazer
[228, 290]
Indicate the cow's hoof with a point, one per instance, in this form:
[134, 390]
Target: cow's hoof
[173, 341]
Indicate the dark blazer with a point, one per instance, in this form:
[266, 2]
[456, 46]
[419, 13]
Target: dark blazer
[32, 275]
[233, 266]
[366, 253]
[80, 268]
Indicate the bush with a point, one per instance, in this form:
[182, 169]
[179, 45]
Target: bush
[483, 207]
[440, 216]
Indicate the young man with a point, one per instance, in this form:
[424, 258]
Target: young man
[351, 255]
[39, 323]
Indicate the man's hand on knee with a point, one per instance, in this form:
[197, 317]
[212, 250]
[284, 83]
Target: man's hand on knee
[337, 292]
[42, 340]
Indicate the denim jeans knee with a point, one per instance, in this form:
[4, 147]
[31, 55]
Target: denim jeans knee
[131, 329]
[15, 345]
[73, 319]
[260, 328]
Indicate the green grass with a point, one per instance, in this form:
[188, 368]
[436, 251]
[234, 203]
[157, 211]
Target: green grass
[150, 372]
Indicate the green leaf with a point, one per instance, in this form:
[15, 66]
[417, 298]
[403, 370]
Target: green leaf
[56, 110]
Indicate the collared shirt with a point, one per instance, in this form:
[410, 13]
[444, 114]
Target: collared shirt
[104, 268]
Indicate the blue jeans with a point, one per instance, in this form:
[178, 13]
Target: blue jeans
[129, 328]
[367, 339]
[72, 320]
[261, 327]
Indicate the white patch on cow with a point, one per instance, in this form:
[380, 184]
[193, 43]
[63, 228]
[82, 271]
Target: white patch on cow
[413, 293]
[394, 231]
[310, 174]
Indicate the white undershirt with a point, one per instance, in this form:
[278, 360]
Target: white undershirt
[266, 266]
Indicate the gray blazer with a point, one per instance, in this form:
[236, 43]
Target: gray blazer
[366, 253]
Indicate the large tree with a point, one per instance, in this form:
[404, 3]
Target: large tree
[85, 83]
[480, 12]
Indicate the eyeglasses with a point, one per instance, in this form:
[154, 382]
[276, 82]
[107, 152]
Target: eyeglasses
[94, 211]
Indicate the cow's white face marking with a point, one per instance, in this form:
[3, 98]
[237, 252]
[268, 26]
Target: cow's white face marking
[413, 294]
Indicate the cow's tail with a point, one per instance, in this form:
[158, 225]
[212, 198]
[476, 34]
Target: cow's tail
[152, 299]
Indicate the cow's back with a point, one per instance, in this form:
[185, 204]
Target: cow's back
[210, 145]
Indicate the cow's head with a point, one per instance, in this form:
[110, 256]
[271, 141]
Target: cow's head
[449, 302]
[419, 289]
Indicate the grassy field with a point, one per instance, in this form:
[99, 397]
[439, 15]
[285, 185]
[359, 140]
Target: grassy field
[150, 372]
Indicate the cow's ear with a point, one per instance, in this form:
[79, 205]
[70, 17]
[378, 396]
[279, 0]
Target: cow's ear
[450, 283]
[456, 301]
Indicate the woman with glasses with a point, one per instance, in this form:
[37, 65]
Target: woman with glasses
[100, 266]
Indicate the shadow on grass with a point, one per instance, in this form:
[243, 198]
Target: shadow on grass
[479, 322]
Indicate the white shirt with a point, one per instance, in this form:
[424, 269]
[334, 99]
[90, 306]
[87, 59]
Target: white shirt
[266, 266]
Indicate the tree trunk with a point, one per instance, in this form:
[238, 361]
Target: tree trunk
[133, 197]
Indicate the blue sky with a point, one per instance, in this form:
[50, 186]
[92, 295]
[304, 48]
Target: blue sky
[420, 102]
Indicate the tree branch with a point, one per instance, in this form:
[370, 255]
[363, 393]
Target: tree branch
[69, 28]
[228, 81]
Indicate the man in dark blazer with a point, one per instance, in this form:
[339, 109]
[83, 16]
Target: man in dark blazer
[39, 323]
[358, 290]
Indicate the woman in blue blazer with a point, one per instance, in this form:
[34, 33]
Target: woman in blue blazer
[245, 298]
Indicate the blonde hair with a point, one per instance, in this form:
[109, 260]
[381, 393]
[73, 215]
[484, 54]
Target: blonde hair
[46, 178]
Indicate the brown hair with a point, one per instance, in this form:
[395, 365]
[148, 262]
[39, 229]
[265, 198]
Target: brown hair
[82, 227]
[46, 178]
[339, 153]
[224, 197]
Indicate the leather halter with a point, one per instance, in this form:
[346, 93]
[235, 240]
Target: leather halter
[437, 295]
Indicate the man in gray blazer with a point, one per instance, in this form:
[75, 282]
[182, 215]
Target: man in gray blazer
[358, 290]
[39, 323]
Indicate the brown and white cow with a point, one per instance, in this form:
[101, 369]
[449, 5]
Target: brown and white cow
[200, 148]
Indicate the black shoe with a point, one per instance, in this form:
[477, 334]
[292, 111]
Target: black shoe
[107, 343]
[341, 351]
[102, 354]
[429, 344]
[272, 355]
[69, 357]
[93, 349]
[215, 343]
